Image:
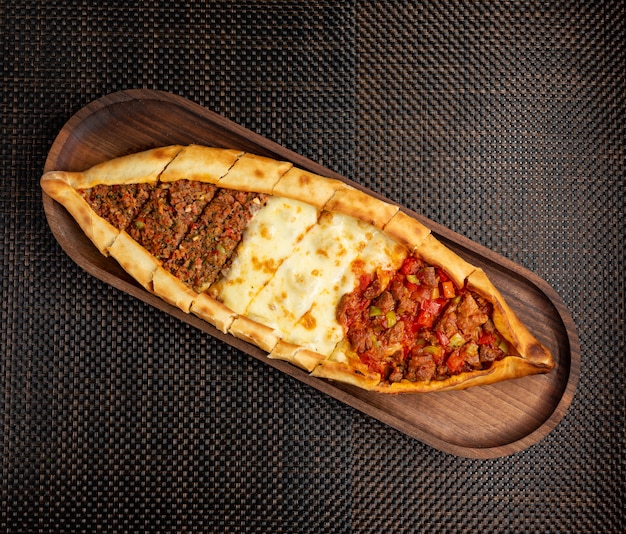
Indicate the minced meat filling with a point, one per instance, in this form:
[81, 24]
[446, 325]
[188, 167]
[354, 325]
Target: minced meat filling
[212, 239]
[419, 326]
[192, 227]
[117, 204]
[164, 220]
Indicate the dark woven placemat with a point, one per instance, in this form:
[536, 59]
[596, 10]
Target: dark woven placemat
[502, 121]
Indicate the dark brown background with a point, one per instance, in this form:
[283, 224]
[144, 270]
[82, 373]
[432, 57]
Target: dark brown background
[503, 121]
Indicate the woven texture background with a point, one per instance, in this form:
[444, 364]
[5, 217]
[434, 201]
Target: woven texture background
[503, 121]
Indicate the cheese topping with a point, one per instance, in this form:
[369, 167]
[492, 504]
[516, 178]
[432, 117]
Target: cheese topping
[316, 265]
[268, 239]
[318, 329]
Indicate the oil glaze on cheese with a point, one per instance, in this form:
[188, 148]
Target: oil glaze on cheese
[319, 261]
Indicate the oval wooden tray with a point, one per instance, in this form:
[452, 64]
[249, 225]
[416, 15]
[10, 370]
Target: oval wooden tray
[481, 422]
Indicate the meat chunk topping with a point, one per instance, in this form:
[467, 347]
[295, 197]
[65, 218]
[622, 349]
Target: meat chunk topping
[419, 326]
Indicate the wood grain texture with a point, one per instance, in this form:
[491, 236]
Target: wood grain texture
[481, 422]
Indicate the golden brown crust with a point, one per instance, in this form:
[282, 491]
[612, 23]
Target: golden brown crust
[172, 290]
[362, 206]
[254, 173]
[307, 187]
[134, 259]
[284, 351]
[406, 230]
[248, 330]
[307, 359]
[99, 231]
[296, 355]
[346, 373]
[143, 167]
[344, 365]
[200, 163]
[51, 182]
[213, 312]
[437, 254]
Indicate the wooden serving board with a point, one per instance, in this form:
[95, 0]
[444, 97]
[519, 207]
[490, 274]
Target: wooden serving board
[480, 422]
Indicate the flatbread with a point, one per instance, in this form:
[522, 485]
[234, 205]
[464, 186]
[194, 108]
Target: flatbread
[281, 290]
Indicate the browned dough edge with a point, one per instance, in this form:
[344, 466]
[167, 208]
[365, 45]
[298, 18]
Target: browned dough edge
[307, 187]
[201, 164]
[360, 205]
[254, 173]
[435, 253]
[101, 233]
[253, 332]
[295, 354]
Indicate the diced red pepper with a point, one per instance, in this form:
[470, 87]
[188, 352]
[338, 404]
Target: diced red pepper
[447, 288]
[409, 266]
[425, 318]
[433, 306]
[411, 286]
[443, 339]
[411, 326]
[487, 338]
[455, 362]
[443, 276]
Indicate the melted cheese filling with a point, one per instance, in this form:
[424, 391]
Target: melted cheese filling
[268, 239]
[317, 263]
[291, 270]
[318, 329]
